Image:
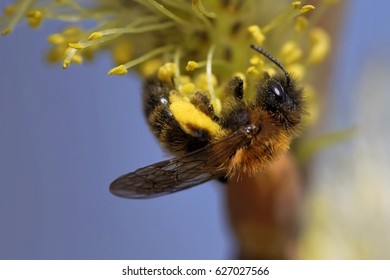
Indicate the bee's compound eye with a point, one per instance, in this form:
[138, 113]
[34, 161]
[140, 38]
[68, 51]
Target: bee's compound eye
[276, 89]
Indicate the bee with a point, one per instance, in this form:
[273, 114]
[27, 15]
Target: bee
[244, 138]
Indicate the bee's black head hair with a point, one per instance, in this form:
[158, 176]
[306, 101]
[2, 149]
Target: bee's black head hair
[279, 95]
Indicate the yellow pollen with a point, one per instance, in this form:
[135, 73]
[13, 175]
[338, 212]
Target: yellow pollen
[65, 64]
[257, 34]
[320, 46]
[123, 51]
[312, 106]
[56, 39]
[239, 75]
[270, 71]
[95, 35]
[192, 65]
[34, 18]
[119, 70]
[189, 118]
[217, 105]
[202, 81]
[166, 72]
[9, 10]
[188, 88]
[290, 52]
[307, 8]
[297, 70]
[252, 71]
[77, 58]
[150, 67]
[6, 31]
[72, 30]
[296, 4]
[184, 79]
[255, 60]
[76, 46]
[301, 23]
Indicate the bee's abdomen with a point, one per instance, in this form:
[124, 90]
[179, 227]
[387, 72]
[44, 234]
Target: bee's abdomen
[164, 124]
[156, 93]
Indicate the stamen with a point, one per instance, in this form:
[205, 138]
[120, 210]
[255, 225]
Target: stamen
[162, 10]
[147, 56]
[210, 73]
[17, 16]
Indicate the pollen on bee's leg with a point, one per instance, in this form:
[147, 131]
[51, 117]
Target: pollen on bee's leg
[189, 116]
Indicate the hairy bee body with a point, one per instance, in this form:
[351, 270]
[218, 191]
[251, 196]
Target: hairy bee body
[243, 138]
[163, 123]
[266, 130]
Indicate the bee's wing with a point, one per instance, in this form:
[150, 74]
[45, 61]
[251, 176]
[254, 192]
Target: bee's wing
[179, 173]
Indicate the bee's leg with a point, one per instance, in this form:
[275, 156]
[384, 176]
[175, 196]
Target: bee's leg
[172, 136]
[236, 88]
[164, 124]
[202, 102]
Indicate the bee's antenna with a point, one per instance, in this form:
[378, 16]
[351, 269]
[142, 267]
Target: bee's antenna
[273, 59]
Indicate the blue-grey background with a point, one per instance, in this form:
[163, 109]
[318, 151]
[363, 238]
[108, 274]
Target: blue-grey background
[65, 135]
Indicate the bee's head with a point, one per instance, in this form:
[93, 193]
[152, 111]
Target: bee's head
[280, 96]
